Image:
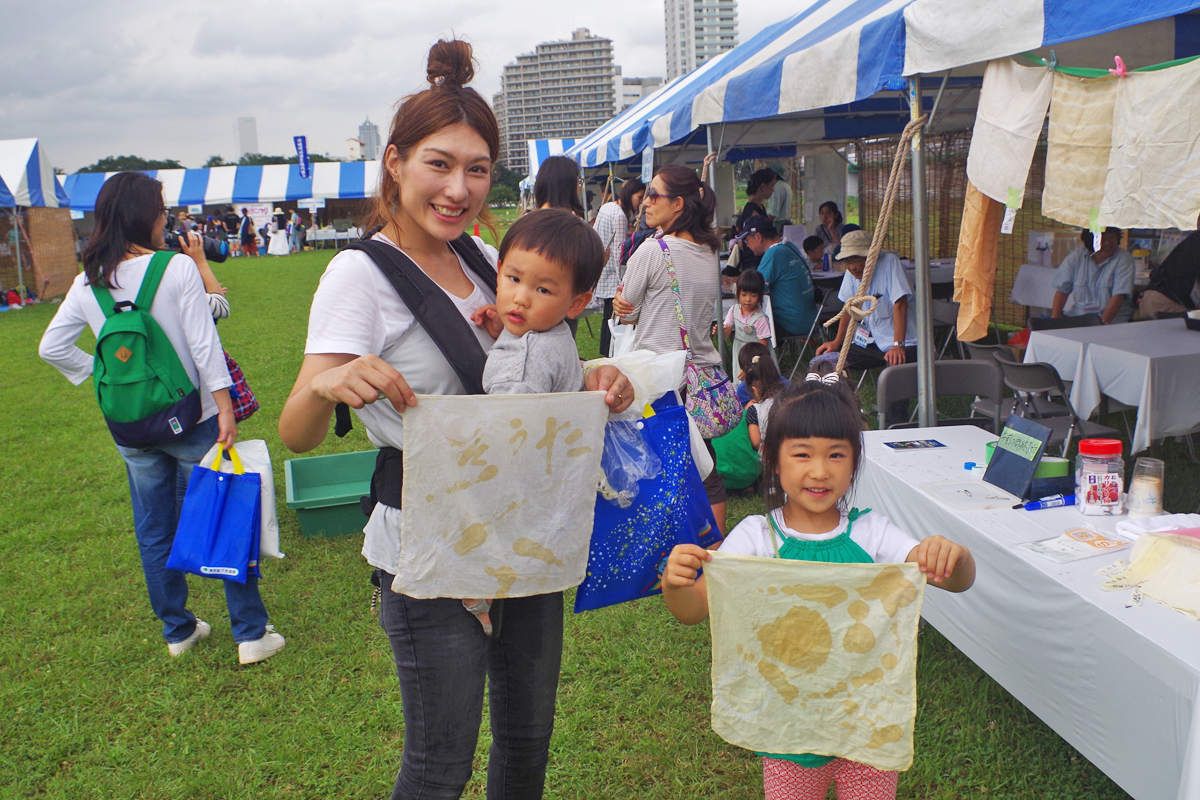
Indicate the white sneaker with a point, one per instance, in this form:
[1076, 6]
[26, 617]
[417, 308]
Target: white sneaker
[203, 629]
[261, 649]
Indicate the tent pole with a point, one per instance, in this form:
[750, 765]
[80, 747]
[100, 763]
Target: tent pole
[926, 400]
[717, 311]
[20, 272]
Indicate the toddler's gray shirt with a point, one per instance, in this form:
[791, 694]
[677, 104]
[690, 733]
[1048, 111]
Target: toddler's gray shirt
[536, 363]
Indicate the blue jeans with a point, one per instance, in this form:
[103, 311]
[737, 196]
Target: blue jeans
[158, 479]
[442, 658]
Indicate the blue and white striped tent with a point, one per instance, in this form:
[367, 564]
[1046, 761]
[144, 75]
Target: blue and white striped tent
[27, 177]
[539, 151]
[834, 69]
[334, 180]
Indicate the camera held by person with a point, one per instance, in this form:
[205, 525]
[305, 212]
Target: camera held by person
[172, 232]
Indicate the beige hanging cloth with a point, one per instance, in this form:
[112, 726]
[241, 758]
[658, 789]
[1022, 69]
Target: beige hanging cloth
[975, 266]
[1078, 143]
[499, 493]
[1012, 111]
[815, 658]
[1154, 165]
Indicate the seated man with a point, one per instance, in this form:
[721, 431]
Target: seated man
[1099, 282]
[786, 273]
[1175, 283]
[888, 335]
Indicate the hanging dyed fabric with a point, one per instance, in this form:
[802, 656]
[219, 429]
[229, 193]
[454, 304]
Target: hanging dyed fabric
[1077, 152]
[1012, 111]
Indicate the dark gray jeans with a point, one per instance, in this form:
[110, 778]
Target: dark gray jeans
[442, 657]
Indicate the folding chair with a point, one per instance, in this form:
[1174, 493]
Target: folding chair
[991, 352]
[1030, 380]
[945, 318]
[950, 378]
[780, 340]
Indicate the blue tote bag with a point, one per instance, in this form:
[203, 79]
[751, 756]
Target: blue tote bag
[630, 546]
[220, 523]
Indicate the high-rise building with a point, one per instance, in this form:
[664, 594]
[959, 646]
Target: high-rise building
[562, 90]
[368, 134]
[634, 89]
[697, 30]
[247, 135]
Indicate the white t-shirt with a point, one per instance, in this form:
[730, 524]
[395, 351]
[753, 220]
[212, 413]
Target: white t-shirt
[874, 533]
[180, 308]
[356, 310]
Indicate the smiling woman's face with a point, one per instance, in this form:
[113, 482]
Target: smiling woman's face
[443, 183]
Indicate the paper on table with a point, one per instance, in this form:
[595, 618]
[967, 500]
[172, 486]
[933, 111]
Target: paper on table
[815, 658]
[1073, 545]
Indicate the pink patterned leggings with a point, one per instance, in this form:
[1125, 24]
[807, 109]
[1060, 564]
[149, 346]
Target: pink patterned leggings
[786, 780]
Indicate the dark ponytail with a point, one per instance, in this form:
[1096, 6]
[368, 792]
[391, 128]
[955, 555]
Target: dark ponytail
[557, 185]
[127, 208]
[699, 204]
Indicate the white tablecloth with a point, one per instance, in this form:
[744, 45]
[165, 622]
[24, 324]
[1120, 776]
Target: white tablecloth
[1153, 365]
[1121, 685]
[1034, 286]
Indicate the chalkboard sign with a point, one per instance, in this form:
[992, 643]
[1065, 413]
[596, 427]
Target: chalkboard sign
[1021, 445]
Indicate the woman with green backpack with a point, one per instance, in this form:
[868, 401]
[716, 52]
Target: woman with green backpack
[163, 386]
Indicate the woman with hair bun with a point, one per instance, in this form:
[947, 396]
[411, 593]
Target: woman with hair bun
[366, 349]
[681, 206]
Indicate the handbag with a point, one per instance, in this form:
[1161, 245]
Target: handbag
[244, 402]
[219, 525]
[629, 547]
[711, 397]
[255, 458]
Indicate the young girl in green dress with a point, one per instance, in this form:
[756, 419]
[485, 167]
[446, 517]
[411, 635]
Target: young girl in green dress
[811, 456]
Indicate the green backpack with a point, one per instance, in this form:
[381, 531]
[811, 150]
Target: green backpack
[145, 393]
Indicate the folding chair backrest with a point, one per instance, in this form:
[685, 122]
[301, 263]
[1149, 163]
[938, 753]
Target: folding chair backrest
[1034, 378]
[985, 352]
[766, 304]
[1059, 323]
[950, 378]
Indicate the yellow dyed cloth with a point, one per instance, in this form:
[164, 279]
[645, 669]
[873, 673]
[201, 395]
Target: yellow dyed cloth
[1078, 141]
[499, 493]
[1166, 565]
[1154, 164]
[815, 657]
[975, 266]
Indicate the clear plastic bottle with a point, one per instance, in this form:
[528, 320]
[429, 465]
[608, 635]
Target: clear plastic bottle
[1100, 477]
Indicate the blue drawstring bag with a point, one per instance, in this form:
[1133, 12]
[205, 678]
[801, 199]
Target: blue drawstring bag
[630, 546]
[220, 523]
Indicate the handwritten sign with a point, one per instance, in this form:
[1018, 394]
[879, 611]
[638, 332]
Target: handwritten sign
[1022, 444]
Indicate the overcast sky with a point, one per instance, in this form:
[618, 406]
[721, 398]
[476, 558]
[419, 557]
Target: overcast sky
[169, 80]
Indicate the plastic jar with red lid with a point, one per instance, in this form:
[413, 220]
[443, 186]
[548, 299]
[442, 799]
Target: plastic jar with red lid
[1100, 477]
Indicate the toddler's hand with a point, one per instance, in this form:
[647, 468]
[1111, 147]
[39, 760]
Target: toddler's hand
[488, 317]
[683, 564]
[938, 557]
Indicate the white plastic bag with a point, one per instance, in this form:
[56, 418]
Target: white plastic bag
[651, 375]
[622, 337]
[256, 458]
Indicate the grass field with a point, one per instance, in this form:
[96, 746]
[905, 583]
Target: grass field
[94, 708]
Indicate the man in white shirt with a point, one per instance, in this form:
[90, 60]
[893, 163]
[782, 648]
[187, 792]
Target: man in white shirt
[1099, 282]
[779, 205]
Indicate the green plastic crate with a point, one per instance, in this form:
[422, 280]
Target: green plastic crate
[324, 491]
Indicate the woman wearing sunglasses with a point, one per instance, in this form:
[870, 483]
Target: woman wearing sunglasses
[681, 207]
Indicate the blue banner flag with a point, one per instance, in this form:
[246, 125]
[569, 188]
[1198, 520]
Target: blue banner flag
[302, 153]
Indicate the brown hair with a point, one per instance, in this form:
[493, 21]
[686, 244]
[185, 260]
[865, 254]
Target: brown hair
[446, 102]
[558, 235]
[699, 204]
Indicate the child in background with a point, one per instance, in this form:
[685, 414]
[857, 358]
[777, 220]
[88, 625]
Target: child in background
[747, 322]
[810, 459]
[549, 263]
[764, 382]
[814, 251]
[745, 358]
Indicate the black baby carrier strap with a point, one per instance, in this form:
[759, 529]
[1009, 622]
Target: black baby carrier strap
[436, 313]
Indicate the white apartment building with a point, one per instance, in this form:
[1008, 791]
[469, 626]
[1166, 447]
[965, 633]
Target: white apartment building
[562, 90]
[634, 89]
[697, 30]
